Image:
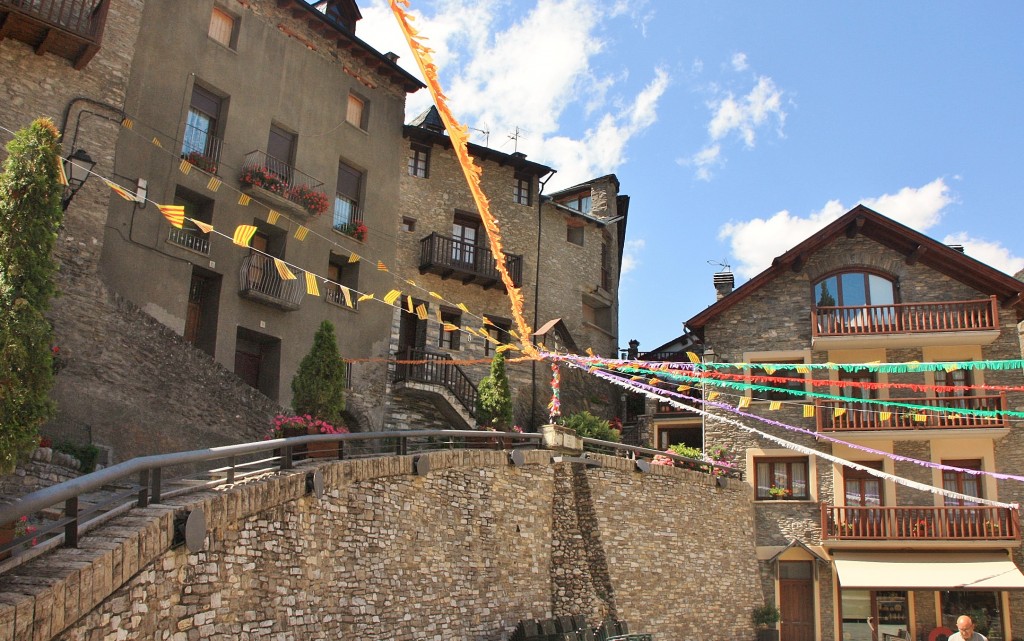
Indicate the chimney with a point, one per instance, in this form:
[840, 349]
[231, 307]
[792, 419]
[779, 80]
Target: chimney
[724, 283]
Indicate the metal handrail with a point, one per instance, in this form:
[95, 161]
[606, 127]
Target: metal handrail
[149, 469]
[638, 452]
[438, 369]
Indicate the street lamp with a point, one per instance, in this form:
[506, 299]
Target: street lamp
[77, 168]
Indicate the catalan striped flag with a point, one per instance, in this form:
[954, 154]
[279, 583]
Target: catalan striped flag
[273, 216]
[363, 297]
[381, 267]
[421, 312]
[839, 412]
[243, 235]
[214, 184]
[744, 402]
[184, 166]
[175, 214]
[462, 306]
[301, 233]
[128, 123]
[808, 411]
[156, 141]
[282, 270]
[346, 294]
[448, 327]
[244, 200]
[390, 297]
[693, 357]
[884, 416]
[121, 191]
[353, 258]
[206, 228]
[311, 287]
[408, 304]
[775, 405]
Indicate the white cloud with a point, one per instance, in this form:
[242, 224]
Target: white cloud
[739, 61]
[704, 160]
[991, 253]
[502, 69]
[630, 253]
[745, 115]
[754, 243]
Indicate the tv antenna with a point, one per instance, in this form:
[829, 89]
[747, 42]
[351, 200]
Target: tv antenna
[485, 132]
[725, 267]
[514, 137]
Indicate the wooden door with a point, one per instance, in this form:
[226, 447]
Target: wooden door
[194, 313]
[796, 600]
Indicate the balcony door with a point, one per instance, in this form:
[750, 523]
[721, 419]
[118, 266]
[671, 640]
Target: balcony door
[281, 149]
[465, 231]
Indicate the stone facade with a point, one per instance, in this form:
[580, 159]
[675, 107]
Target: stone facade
[770, 322]
[463, 552]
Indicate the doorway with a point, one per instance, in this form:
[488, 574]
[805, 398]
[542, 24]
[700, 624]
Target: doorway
[796, 600]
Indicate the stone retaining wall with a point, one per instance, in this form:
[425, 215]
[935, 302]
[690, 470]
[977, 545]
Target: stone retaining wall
[462, 552]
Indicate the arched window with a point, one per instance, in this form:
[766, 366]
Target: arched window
[854, 289]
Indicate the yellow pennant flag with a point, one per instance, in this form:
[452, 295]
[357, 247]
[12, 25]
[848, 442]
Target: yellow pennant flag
[128, 123]
[175, 214]
[884, 416]
[62, 177]
[121, 191]
[775, 405]
[955, 417]
[185, 166]
[839, 411]
[487, 321]
[951, 367]
[683, 388]
[381, 267]
[346, 294]
[802, 369]
[206, 228]
[273, 216]
[693, 357]
[808, 411]
[243, 235]
[712, 396]
[363, 297]
[244, 200]
[505, 348]
[768, 369]
[462, 306]
[283, 271]
[421, 312]
[311, 287]
[214, 184]
[436, 295]
[301, 233]
[744, 402]
[636, 378]
[156, 141]
[448, 327]
[391, 296]
[408, 303]
[411, 282]
[353, 258]
[589, 351]
[920, 418]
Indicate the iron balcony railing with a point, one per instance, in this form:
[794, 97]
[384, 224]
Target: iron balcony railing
[259, 280]
[919, 523]
[906, 318]
[844, 416]
[348, 217]
[335, 295]
[450, 257]
[71, 29]
[192, 239]
[201, 148]
[279, 178]
[436, 369]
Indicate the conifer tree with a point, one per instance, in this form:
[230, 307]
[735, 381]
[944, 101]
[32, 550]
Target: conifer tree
[318, 388]
[493, 398]
[30, 216]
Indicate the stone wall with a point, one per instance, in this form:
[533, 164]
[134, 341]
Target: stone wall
[462, 552]
[46, 467]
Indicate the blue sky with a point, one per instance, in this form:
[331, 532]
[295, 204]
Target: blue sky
[740, 128]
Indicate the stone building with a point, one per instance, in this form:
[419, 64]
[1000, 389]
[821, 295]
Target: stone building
[562, 249]
[846, 554]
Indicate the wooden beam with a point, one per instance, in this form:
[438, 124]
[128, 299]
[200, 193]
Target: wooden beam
[855, 226]
[916, 255]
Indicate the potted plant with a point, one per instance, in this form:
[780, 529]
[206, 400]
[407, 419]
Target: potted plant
[312, 200]
[765, 618]
[780, 493]
[262, 177]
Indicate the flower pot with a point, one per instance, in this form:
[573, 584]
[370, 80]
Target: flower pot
[321, 450]
[767, 634]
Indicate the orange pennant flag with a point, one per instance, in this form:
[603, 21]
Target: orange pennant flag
[206, 228]
[421, 312]
[243, 235]
[121, 191]
[175, 214]
[381, 266]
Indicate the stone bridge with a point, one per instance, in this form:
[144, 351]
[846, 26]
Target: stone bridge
[463, 549]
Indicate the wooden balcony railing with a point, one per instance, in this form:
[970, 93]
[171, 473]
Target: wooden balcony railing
[859, 417]
[260, 281]
[71, 29]
[906, 318]
[437, 369]
[449, 257]
[924, 523]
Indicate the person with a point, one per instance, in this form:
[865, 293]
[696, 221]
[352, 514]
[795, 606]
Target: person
[965, 631]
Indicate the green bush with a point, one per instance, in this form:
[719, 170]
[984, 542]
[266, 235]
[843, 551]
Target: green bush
[587, 425]
[30, 216]
[318, 388]
[87, 455]
[766, 615]
[494, 398]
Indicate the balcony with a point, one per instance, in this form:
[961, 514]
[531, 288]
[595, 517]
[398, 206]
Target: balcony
[259, 281]
[866, 417]
[278, 184]
[974, 322]
[191, 239]
[447, 257]
[348, 218]
[920, 524]
[70, 29]
[201, 148]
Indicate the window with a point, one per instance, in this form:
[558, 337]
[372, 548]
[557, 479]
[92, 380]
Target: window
[958, 379]
[197, 207]
[580, 203]
[356, 112]
[281, 152]
[861, 488]
[465, 230]
[962, 482]
[784, 391]
[788, 477]
[597, 313]
[419, 161]
[449, 339]
[408, 224]
[347, 214]
[574, 233]
[202, 144]
[224, 28]
[344, 275]
[499, 331]
[854, 289]
[522, 189]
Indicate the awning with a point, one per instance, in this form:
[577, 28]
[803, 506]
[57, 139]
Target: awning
[954, 570]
